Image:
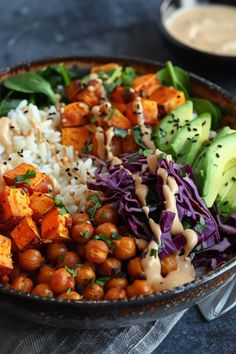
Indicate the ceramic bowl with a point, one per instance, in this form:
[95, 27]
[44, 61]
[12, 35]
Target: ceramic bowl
[119, 313]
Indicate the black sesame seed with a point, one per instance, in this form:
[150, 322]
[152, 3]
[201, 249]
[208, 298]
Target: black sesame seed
[76, 169]
[226, 202]
[67, 169]
[197, 134]
[219, 146]
[189, 129]
[9, 159]
[188, 138]
[12, 127]
[172, 131]
[26, 111]
[69, 174]
[203, 123]
[186, 120]
[195, 129]
[51, 113]
[4, 163]
[75, 177]
[234, 179]
[167, 142]
[217, 155]
[226, 184]
[194, 141]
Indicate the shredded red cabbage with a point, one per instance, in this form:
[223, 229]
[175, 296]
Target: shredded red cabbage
[117, 184]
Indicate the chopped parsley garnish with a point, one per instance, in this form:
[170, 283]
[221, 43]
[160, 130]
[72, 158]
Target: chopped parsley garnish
[163, 155]
[138, 137]
[97, 204]
[128, 75]
[186, 223]
[61, 257]
[26, 177]
[69, 291]
[133, 159]
[115, 236]
[153, 253]
[200, 226]
[85, 234]
[112, 112]
[104, 238]
[182, 173]
[120, 132]
[72, 271]
[92, 119]
[61, 207]
[102, 281]
[147, 152]
[90, 147]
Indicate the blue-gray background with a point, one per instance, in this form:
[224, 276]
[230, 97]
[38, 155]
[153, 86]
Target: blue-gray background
[33, 29]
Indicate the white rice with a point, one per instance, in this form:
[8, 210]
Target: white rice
[36, 140]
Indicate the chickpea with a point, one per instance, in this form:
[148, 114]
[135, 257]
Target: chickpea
[84, 275]
[96, 251]
[107, 213]
[124, 248]
[54, 250]
[42, 290]
[79, 218]
[168, 264]
[111, 266]
[30, 259]
[61, 281]
[70, 259]
[138, 288]
[81, 250]
[115, 294]
[72, 295]
[118, 283]
[93, 292]
[135, 269]
[45, 273]
[22, 283]
[107, 228]
[83, 232]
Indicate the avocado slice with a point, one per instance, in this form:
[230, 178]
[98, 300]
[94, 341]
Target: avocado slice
[226, 201]
[171, 124]
[199, 163]
[194, 132]
[219, 157]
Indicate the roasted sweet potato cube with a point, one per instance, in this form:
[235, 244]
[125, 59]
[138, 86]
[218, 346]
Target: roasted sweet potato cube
[21, 176]
[120, 106]
[14, 204]
[40, 204]
[123, 94]
[105, 67]
[167, 99]
[76, 137]
[25, 232]
[75, 114]
[150, 112]
[129, 144]
[90, 94]
[6, 265]
[119, 120]
[145, 85]
[53, 226]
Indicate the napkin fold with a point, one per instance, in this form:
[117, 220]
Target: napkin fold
[20, 336]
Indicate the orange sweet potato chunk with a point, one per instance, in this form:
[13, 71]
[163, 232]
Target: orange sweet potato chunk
[40, 204]
[75, 114]
[150, 112]
[167, 99]
[14, 204]
[119, 120]
[104, 67]
[145, 85]
[6, 265]
[90, 95]
[25, 232]
[76, 137]
[53, 226]
[40, 182]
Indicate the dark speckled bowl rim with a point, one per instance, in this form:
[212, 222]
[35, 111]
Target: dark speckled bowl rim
[166, 294]
[181, 45]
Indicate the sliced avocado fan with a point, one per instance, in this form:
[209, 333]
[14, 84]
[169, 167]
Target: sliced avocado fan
[171, 124]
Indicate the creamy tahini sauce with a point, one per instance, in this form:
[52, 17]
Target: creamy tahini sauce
[191, 240]
[152, 268]
[210, 28]
[147, 137]
[99, 135]
[141, 190]
[5, 135]
[138, 110]
[109, 136]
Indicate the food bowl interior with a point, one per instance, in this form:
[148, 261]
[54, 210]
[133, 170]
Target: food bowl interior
[90, 314]
[166, 10]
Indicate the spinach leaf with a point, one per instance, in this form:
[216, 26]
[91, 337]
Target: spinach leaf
[174, 76]
[7, 105]
[201, 105]
[64, 73]
[30, 82]
[128, 75]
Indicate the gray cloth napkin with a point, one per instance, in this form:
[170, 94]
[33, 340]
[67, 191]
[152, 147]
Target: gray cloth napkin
[20, 336]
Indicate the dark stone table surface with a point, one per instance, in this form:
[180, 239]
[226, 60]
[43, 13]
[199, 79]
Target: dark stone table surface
[36, 29]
